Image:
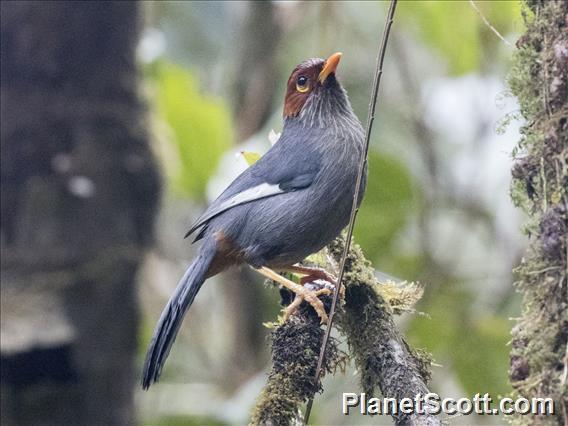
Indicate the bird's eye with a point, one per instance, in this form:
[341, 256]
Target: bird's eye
[302, 84]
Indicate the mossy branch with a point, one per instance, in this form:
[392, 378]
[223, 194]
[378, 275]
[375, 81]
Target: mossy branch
[383, 359]
[295, 348]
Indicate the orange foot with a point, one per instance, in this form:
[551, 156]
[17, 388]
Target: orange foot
[312, 274]
[301, 293]
[311, 297]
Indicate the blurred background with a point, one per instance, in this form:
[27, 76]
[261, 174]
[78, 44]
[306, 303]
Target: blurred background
[122, 121]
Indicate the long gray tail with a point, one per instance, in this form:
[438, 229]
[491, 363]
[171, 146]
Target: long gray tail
[172, 315]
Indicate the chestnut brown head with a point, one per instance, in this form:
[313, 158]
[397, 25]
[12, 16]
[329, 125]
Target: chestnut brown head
[307, 80]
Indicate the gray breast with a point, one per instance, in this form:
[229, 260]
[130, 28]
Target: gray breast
[288, 227]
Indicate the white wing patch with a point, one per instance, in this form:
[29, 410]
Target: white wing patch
[260, 191]
[255, 193]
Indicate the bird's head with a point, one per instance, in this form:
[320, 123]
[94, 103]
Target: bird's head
[313, 90]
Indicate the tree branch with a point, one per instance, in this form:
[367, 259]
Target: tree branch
[295, 347]
[382, 357]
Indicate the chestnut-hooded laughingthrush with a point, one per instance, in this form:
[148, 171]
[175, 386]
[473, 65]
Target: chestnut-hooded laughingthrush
[289, 204]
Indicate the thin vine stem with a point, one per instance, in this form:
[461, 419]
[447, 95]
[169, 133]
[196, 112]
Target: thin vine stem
[488, 24]
[354, 208]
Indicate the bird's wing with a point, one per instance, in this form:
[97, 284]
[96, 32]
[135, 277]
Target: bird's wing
[282, 169]
[255, 193]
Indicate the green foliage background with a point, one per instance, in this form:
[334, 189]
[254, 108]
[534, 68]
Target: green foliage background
[455, 31]
[199, 124]
[455, 42]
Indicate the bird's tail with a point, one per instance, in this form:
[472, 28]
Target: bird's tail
[172, 315]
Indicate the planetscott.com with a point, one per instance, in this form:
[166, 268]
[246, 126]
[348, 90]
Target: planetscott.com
[432, 403]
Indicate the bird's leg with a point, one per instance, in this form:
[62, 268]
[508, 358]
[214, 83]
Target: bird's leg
[301, 293]
[311, 273]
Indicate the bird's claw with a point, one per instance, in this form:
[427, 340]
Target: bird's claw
[318, 274]
[321, 274]
[310, 296]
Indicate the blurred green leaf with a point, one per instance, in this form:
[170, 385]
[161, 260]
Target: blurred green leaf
[250, 157]
[200, 127]
[407, 265]
[484, 369]
[386, 206]
[474, 347]
[455, 29]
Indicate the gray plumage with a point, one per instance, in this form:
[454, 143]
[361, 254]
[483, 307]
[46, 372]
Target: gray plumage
[286, 206]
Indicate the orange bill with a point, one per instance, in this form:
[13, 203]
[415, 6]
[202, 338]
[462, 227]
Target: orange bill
[329, 66]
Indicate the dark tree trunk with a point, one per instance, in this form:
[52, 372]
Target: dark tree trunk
[79, 192]
[256, 79]
[539, 79]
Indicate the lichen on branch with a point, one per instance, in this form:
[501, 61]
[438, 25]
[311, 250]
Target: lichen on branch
[295, 347]
[539, 79]
[383, 359]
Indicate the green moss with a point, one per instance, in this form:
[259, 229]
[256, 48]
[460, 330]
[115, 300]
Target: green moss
[539, 80]
[366, 319]
[295, 349]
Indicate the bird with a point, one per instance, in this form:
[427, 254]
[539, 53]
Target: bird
[289, 204]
